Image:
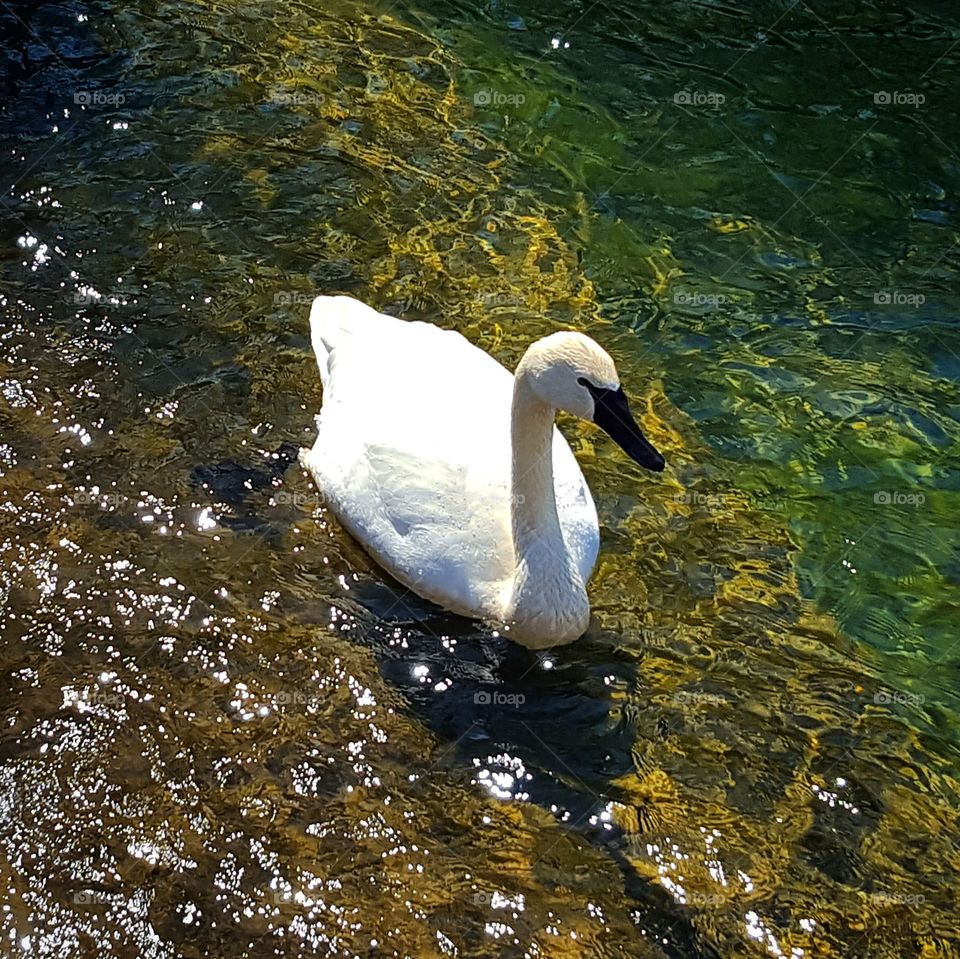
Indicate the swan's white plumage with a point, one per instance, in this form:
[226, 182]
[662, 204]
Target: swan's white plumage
[413, 455]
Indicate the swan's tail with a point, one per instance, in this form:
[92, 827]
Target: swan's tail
[334, 320]
[322, 330]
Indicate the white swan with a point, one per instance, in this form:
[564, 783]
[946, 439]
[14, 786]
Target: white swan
[450, 471]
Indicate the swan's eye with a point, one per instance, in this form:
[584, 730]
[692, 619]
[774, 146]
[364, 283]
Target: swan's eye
[597, 392]
[603, 395]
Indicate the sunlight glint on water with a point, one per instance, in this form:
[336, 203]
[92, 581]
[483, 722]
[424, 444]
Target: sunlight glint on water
[227, 735]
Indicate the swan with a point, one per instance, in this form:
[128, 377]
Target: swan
[451, 473]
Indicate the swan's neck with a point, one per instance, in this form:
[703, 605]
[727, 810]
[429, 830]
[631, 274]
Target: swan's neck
[533, 504]
[548, 597]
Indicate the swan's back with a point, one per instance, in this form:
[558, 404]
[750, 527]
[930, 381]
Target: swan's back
[413, 456]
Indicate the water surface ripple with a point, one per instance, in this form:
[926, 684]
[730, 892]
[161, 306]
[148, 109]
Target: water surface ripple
[226, 734]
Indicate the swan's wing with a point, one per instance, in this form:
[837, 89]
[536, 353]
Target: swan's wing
[428, 525]
[412, 454]
[336, 322]
[407, 384]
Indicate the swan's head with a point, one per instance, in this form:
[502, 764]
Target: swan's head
[569, 371]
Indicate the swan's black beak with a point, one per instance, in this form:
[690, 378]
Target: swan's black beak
[612, 414]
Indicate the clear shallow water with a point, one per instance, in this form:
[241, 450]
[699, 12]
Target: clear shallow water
[225, 736]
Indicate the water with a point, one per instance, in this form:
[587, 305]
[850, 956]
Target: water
[226, 735]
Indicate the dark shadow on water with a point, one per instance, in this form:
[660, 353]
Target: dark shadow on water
[545, 713]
